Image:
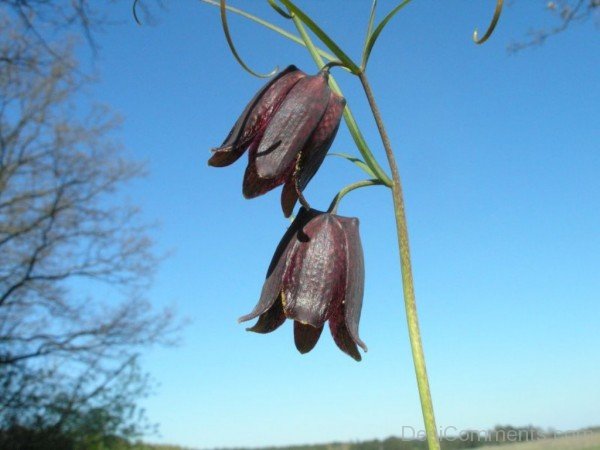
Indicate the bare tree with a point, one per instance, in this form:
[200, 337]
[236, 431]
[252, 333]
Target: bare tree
[566, 13]
[44, 19]
[74, 261]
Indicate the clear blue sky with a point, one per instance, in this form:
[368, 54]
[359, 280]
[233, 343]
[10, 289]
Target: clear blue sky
[500, 156]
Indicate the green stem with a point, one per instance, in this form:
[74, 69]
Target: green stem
[407, 278]
[359, 140]
[351, 187]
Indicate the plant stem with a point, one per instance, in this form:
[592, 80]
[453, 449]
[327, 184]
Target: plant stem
[351, 187]
[407, 278]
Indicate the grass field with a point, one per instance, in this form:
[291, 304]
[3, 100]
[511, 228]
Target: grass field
[583, 441]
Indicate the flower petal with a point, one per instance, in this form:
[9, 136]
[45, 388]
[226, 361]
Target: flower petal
[341, 336]
[315, 268]
[224, 156]
[355, 278]
[345, 314]
[292, 125]
[315, 150]
[289, 194]
[270, 320]
[272, 288]
[306, 336]
[255, 117]
[253, 185]
[311, 157]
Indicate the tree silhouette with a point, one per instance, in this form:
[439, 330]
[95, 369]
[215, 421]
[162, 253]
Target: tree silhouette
[74, 259]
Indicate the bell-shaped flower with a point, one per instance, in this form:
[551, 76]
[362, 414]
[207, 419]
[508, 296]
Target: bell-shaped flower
[316, 276]
[288, 128]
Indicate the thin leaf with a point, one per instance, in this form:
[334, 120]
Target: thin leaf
[351, 187]
[379, 29]
[369, 31]
[493, 23]
[354, 160]
[330, 43]
[134, 11]
[233, 49]
[269, 26]
[280, 10]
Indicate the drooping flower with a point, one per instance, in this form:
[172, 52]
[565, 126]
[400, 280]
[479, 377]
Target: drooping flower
[316, 275]
[288, 128]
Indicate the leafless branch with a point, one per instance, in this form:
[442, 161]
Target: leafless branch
[567, 12]
[64, 350]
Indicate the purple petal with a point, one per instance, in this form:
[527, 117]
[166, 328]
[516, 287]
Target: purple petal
[270, 320]
[314, 152]
[291, 126]
[345, 311]
[341, 336]
[224, 156]
[314, 271]
[255, 117]
[355, 278]
[273, 283]
[253, 185]
[289, 196]
[306, 336]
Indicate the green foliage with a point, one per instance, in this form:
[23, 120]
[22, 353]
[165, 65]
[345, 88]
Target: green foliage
[19, 438]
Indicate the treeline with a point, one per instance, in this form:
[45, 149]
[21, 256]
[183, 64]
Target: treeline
[19, 438]
[451, 439]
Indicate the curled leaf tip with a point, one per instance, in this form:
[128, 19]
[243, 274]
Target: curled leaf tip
[223, 8]
[490, 30]
[134, 11]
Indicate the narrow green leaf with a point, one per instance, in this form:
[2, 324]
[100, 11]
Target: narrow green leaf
[233, 49]
[330, 43]
[269, 26]
[369, 31]
[351, 187]
[379, 29]
[493, 23]
[280, 10]
[357, 161]
[134, 11]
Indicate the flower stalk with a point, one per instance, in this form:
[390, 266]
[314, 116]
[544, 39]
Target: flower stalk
[407, 277]
[280, 299]
[351, 187]
[401, 229]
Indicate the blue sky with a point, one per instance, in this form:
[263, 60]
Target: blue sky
[499, 156]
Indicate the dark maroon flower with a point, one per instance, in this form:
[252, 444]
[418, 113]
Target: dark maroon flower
[316, 275]
[288, 127]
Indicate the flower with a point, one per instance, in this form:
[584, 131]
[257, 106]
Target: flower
[288, 128]
[316, 275]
